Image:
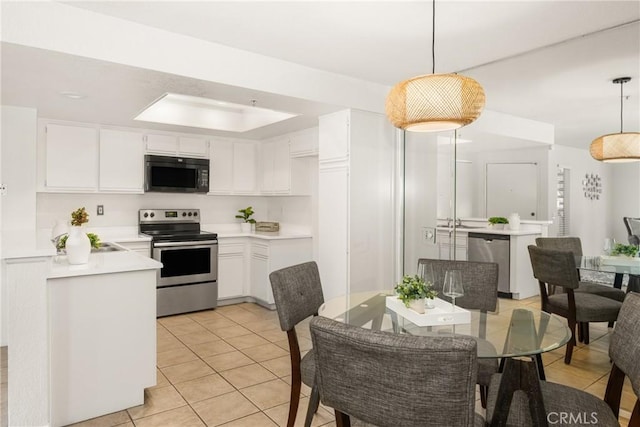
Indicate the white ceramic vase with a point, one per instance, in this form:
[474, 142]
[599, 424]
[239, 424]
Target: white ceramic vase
[78, 246]
[245, 227]
[417, 305]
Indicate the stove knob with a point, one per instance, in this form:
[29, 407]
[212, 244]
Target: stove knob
[195, 214]
[152, 214]
[184, 214]
[146, 214]
[190, 213]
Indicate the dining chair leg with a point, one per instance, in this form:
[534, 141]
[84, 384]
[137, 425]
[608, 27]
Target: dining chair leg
[580, 331]
[585, 332]
[342, 420]
[571, 343]
[314, 402]
[483, 396]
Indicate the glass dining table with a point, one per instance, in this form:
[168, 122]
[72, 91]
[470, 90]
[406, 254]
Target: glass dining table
[619, 267]
[516, 336]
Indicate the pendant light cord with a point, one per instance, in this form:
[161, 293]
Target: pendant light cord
[621, 105]
[433, 38]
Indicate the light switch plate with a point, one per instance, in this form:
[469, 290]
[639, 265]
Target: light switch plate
[100, 210]
[429, 235]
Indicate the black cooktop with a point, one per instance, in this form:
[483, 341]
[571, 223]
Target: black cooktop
[181, 236]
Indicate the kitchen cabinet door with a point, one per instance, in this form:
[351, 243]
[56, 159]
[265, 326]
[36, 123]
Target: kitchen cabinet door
[276, 168]
[121, 161]
[221, 167]
[71, 158]
[260, 284]
[244, 168]
[193, 147]
[231, 270]
[268, 153]
[304, 143]
[281, 167]
[166, 145]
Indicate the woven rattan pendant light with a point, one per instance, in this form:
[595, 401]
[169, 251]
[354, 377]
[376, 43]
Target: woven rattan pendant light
[435, 102]
[617, 147]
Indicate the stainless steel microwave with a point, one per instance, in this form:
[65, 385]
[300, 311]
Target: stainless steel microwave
[176, 174]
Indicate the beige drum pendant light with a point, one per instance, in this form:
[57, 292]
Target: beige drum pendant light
[435, 102]
[617, 147]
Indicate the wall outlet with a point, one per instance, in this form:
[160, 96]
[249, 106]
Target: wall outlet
[429, 235]
[100, 210]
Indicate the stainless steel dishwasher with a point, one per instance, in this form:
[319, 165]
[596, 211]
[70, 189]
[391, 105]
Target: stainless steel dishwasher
[492, 248]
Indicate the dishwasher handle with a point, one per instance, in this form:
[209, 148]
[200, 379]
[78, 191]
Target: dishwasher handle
[489, 237]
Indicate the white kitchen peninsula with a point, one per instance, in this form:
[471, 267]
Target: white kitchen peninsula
[81, 339]
[522, 284]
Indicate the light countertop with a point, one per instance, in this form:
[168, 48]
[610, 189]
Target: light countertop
[102, 263]
[465, 230]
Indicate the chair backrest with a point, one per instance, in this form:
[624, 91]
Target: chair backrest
[625, 340]
[297, 292]
[554, 267]
[571, 244]
[395, 380]
[480, 282]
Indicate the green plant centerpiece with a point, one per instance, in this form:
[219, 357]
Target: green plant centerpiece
[412, 289]
[498, 220]
[93, 238]
[625, 250]
[245, 215]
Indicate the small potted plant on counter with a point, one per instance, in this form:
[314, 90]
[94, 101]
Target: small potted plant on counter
[78, 243]
[245, 215]
[498, 222]
[413, 291]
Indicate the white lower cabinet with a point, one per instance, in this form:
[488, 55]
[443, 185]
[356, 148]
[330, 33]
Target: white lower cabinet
[271, 255]
[231, 268]
[244, 265]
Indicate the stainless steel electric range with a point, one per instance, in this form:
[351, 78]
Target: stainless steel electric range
[188, 279]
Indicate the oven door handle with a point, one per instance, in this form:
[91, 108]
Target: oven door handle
[176, 244]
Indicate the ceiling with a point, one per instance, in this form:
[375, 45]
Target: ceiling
[551, 61]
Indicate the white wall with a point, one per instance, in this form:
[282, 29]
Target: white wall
[591, 220]
[625, 197]
[121, 210]
[540, 156]
[18, 174]
[19, 136]
[422, 164]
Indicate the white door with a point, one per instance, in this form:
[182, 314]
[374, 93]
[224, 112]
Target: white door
[512, 187]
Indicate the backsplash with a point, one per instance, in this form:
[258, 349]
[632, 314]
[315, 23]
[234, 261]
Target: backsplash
[121, 210]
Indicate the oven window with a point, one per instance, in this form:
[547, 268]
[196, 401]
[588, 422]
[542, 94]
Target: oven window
[185, 262]
[162, 176]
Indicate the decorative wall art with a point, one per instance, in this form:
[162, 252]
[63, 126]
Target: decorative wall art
[592, 186]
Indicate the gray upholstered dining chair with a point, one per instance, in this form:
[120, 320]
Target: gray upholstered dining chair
[633, 229]
[560, 399]
[574, 245]
[388, 379]
[480, 293]
[297, 292]
[557, 268]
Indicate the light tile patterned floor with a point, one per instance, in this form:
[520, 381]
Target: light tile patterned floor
[230, 367]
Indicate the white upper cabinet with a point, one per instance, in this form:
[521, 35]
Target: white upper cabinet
[161, 144]
[244, 167]
[334, 133]
[71, 158]
[170, 145]
[221, 167]
[118, 172]
[304, 143]
[196, 147]
[275, 167]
